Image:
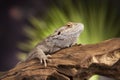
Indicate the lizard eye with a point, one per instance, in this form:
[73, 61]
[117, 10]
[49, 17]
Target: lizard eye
[59, 33]
[69, 24]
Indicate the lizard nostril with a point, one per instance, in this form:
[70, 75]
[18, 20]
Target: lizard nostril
[69, 25]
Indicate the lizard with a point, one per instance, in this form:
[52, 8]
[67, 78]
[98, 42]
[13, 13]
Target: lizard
[65, 36]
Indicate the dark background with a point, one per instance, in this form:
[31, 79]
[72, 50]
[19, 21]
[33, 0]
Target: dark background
[11, 27]
[14, 14]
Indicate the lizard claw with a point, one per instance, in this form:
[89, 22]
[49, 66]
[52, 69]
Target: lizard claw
[44, 60]
[45, 63]
[41, 61]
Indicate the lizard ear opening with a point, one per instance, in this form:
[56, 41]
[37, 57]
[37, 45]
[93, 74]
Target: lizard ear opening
[59, 33]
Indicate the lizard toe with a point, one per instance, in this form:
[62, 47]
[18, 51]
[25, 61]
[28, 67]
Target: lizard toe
[45, 62]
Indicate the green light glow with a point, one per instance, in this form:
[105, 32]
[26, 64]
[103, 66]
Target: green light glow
[100, 24]
[92, 14]
[95, 77]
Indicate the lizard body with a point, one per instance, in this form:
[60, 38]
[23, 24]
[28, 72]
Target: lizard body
[63, 37]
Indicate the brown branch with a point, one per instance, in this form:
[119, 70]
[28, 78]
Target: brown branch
[77, 62]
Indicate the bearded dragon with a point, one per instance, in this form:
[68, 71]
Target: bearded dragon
[65, 36]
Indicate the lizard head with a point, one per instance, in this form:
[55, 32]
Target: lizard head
[70, 29]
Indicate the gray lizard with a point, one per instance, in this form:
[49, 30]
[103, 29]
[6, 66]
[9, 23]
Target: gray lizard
[63, 37]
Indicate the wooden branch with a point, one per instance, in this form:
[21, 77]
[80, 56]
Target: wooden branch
[77, 62]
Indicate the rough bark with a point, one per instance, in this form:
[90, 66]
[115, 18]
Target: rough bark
[77, 62]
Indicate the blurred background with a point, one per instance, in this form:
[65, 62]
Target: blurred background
[24, 23]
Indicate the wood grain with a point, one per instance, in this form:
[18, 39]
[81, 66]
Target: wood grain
[77, 62]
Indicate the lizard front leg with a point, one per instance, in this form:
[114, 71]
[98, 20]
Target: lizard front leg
[38, 53]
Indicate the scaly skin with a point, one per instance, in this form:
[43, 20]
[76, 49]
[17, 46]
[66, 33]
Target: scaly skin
[63, 37]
